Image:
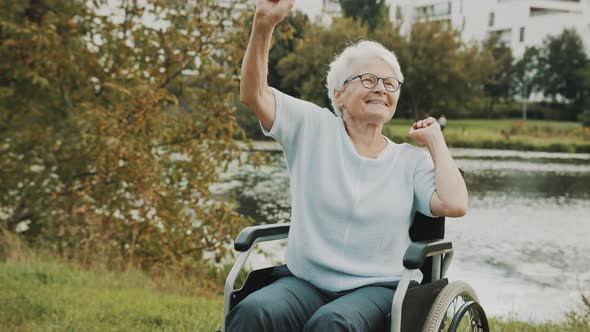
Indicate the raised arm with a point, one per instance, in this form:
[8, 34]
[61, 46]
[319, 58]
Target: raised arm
[450, 198]
[254, 89]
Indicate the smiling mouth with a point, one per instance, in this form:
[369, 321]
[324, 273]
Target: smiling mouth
[378, 102]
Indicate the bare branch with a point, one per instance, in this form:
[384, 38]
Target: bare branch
[185, 65]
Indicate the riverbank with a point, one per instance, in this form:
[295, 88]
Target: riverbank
[511, 134]
[52, 296]
[518, 135]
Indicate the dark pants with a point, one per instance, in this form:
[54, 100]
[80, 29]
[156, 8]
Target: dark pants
[292, 304]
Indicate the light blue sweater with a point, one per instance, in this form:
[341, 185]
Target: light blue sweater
[350, 215]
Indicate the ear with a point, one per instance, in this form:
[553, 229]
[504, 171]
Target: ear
[338, 97]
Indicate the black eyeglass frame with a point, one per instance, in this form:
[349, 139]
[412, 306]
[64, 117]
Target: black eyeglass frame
[377, 81]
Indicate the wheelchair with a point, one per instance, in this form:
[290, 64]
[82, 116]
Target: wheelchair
[435, 305]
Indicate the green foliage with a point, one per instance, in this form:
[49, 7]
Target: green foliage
[586, 119]
[373, 13]
[305, 68]
[559, 69]
[432, 56]
[498, 86]
[285, 39]
[509, 324]
[585, 102]
[287, 36]
[107, 148]
[530, 135]
[513, 109]
[561, 63]
[524, 79]
[442, 74]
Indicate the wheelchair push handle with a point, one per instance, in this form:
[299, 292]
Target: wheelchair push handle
[253, 234]
[418, 251]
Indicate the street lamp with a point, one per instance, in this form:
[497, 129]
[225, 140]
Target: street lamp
[524, 99]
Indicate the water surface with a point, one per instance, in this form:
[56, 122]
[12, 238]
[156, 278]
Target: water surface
[524, 244]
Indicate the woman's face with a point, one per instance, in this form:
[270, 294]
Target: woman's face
[358, 103]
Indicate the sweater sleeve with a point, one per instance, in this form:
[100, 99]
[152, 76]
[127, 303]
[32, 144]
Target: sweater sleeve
[289, 125]
[424, 185]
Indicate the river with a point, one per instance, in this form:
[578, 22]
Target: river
[524, 245]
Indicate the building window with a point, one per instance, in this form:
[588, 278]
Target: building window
[521, 34]
[504, 36]
[491, 19]
[433, 10]
[331, 6]
[442, 8]
[424, 11]
[398, 12]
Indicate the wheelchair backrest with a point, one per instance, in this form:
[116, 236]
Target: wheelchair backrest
[426, 228]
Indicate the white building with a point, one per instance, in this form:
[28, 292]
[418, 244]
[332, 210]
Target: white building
[519, 23]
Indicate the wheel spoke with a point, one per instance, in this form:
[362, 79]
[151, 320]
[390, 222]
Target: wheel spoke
[471, 322]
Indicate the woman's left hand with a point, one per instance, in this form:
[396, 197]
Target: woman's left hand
[426, 131]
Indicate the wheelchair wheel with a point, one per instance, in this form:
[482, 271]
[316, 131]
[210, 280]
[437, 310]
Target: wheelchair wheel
[456, 308]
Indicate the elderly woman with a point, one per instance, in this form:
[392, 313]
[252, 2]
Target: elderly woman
[353, 191]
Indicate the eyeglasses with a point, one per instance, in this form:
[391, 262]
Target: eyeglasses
[370, 81]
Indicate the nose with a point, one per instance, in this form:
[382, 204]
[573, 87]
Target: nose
[380, 87]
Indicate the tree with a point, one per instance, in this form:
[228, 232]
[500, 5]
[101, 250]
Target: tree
[441, 73]
[561, 62]
[586, 97]
[113, 127]
[524, 73]
[524, 76]
[499, 84]
[287, 35]
[305, 69]
[373, 13]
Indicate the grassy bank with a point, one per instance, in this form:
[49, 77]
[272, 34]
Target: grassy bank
[40, 296]
[37, 296]
[530, 135]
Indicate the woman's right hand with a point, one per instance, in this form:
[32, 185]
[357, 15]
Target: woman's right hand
[272, 12]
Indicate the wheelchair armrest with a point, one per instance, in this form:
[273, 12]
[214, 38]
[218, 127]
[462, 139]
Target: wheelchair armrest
[418, 251]
[250, 235]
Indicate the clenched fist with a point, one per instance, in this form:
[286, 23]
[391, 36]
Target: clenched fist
[425, 131]
[272, 12]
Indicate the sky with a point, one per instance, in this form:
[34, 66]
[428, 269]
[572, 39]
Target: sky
[309, 6]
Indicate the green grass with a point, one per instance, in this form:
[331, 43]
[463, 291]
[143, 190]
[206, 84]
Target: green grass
[39, 296]
[42, 296]
[533, 135]
[511, 325]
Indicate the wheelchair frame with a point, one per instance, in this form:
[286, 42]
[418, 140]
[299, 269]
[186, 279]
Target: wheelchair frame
[415, 256]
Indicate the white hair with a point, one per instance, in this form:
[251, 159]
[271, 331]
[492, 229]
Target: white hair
[343, 64]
